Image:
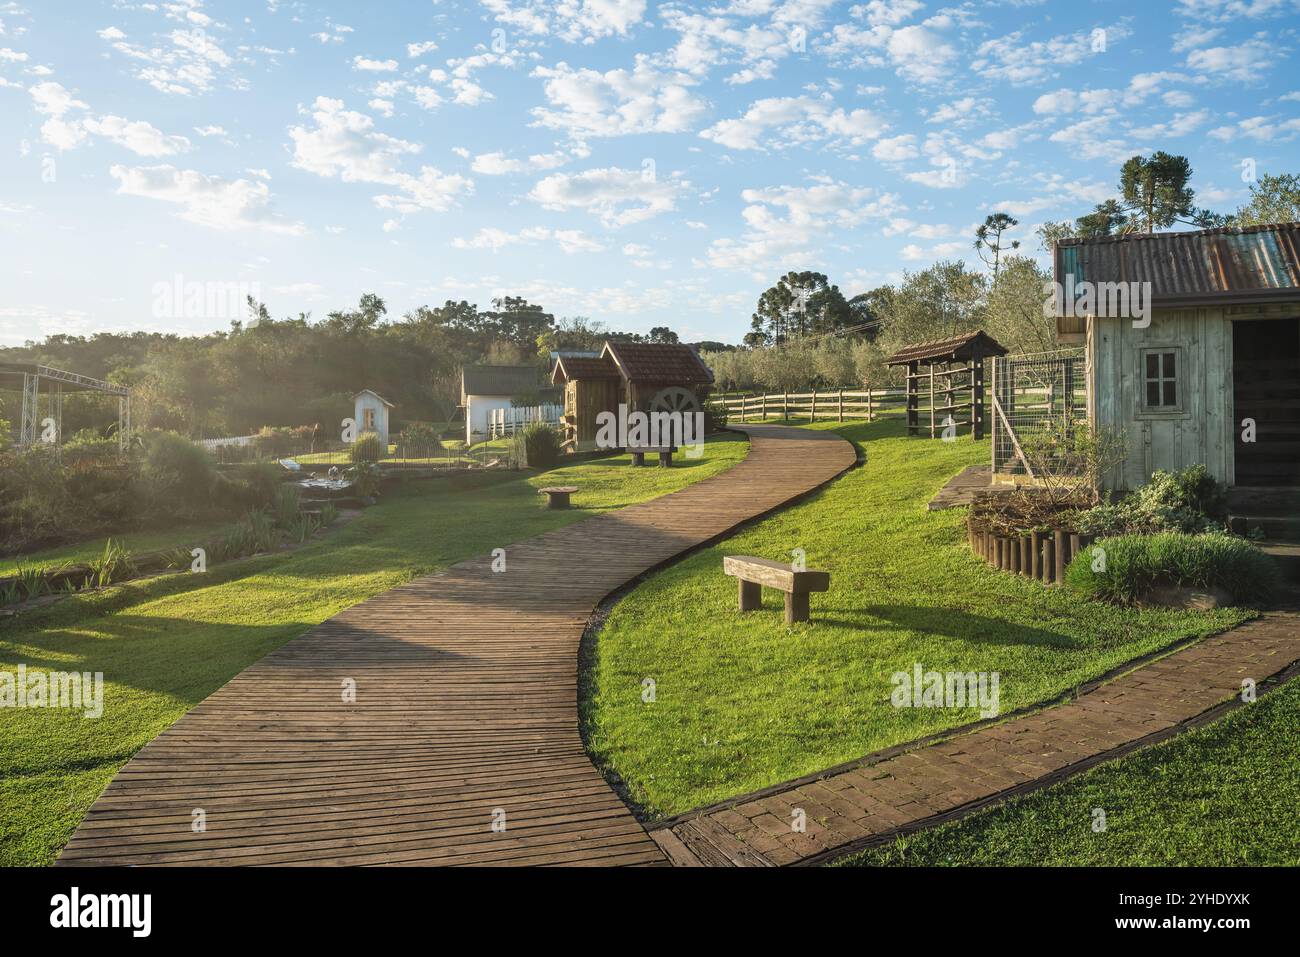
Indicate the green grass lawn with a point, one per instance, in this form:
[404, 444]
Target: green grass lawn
[164, 644]
[1226, 794]
[146, 541]
[744, 702]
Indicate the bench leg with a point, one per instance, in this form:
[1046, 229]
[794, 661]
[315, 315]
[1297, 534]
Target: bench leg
[751, 595]
[666, 460]
[796, 607]
[638, 458]
[557, 500]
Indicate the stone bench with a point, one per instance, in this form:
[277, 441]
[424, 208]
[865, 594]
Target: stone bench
[557, 496]
[753, 573]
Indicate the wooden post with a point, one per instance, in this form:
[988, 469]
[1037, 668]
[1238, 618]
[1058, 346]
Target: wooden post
[764, 401]
[977, 399]
[744, 400]
[1062, 554]
[841, 406]
[931, 367]
[785, 406]
[812, 415]
[868, 403]
[1049, 560]
[1036, 555]
[1014, 564]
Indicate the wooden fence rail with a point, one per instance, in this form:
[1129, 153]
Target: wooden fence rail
[837, 404]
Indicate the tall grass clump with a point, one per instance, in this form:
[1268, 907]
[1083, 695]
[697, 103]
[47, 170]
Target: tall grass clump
[1135, 564]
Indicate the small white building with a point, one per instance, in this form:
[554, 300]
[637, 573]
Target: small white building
[484, 389]
[370, 412]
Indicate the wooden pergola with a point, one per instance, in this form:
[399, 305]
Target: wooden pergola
[953, 372]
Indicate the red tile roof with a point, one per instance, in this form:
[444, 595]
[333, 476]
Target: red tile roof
[583, 367]
[659, 362]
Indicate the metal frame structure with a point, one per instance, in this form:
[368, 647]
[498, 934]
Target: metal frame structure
[1029, 393]
[31, 426]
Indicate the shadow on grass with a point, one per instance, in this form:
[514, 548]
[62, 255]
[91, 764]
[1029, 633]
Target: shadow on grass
[949, 623]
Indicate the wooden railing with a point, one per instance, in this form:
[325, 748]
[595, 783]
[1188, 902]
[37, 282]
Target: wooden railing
[824, 404]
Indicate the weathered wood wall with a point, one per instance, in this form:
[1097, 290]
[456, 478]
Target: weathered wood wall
[1201, 429]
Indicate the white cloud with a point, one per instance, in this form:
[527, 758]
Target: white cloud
[795, 120]
[414, 50]
[498, 164]
[12, 56]
[1246, 62]
[586, 103]
[1262, 129]
[373, 66]
[66, 129]
[189, 65]
[619, 197]
[344, 143]
[896, 149]
[578, 21]
[569, 240]
[783, 221]
[1013, 59]
[206, 200]
[137, 136]
[111, 33]
[918, 52]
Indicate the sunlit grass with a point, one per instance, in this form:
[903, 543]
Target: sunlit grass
[165, 644]
[743, 702]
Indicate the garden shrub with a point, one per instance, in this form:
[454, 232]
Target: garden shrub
[176, 476]
[287, 505]
[1187, 501]
[1134, 564]
[538, 446]
[368, 448]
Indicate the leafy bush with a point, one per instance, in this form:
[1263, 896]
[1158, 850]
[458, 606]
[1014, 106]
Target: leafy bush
[538, 446]
[1187, 501]
[364, 477]
[368, 448]
[176, 476]
[1134, 564]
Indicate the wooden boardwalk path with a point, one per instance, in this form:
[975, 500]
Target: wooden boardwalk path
[465, 708]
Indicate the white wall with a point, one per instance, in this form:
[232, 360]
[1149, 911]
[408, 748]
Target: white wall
[478, 409]
[364, 402]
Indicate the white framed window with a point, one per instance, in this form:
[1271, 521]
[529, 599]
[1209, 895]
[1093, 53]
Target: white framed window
[1161, 388]
[369, 419]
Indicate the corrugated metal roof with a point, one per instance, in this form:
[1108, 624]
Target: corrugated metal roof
[500, 380]
[1233, 264]
[968, 345]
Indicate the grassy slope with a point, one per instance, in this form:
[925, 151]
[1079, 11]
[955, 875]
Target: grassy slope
[743, 702]
[165, 644]
[147, 541]
[1227, 794]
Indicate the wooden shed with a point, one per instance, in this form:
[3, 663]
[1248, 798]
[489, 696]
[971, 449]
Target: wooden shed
[1211, 375]
[949, 373]
[639, 375]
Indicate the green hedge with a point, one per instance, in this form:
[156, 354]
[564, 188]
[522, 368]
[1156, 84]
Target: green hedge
[1136, 563]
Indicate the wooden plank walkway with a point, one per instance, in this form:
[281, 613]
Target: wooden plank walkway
[465, 708]
[870, 801]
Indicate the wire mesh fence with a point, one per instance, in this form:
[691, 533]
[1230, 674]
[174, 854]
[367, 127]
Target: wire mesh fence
[1032, 394]
[318, 457]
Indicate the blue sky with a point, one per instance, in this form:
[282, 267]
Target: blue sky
[642, 164]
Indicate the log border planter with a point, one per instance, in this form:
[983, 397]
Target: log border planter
[1041, 555]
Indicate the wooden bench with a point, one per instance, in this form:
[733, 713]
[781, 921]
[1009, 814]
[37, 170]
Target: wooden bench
[557, 496]
[665, 453]
[753, 573]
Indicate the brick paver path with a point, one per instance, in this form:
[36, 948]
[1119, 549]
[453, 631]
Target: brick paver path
[878, 799]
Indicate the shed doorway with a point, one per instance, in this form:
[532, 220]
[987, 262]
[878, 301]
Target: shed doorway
[1266, 389]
